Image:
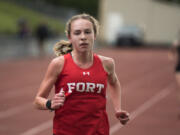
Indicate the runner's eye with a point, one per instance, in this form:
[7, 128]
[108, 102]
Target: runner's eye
[77, 32]
[87, 31]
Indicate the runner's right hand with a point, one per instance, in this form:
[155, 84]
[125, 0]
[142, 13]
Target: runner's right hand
[58, 100]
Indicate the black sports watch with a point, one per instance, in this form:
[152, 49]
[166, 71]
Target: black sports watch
[48, 105]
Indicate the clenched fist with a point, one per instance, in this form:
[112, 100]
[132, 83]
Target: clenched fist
[58, 100]
[123, 117]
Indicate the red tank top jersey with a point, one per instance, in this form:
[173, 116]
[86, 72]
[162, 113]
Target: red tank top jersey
[84, 109]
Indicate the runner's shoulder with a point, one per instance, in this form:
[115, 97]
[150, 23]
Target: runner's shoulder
[57, 63]
[108, 63]
[106, 60]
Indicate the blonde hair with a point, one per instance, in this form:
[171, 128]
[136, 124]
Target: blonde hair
[63, 47]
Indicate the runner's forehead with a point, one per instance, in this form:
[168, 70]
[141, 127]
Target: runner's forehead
[81, 24]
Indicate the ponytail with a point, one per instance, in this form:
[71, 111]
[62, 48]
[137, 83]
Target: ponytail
[62, 47]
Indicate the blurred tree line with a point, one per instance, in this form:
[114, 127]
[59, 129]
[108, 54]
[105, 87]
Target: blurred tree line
[83, 6]
[14, 17]
[11, 11]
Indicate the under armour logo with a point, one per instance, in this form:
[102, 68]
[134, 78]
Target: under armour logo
[86, 73]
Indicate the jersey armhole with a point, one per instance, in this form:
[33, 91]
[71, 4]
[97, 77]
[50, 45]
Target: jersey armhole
[102, 66]
[65, 61]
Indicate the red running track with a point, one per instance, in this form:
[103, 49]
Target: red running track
[149, 93]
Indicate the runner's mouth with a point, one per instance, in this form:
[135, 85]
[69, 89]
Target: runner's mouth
[83, 44]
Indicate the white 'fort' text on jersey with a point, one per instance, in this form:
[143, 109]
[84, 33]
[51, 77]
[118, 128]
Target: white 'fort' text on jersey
[85, 87]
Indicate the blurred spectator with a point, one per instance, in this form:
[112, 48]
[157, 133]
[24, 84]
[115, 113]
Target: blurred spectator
[42, 33]
[174, 56]
[24, 33]
[23, 28]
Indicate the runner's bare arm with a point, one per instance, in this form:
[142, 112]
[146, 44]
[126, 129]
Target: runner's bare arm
[115, 89]
[49, 80]
[172, 54]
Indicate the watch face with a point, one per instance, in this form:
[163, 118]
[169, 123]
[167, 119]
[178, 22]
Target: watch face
[48, 105]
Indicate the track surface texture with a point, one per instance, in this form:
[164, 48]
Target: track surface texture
[149, 93]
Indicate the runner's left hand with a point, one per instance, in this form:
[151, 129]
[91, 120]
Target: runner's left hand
[123, 117]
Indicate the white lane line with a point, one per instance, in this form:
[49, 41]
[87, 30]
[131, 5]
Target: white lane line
[15, 110]
[48, 124]
[148, 104]
[18, 109]
[148, 75]
[20, 91]
[38, 129]
[162, 94]
[134, 83]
